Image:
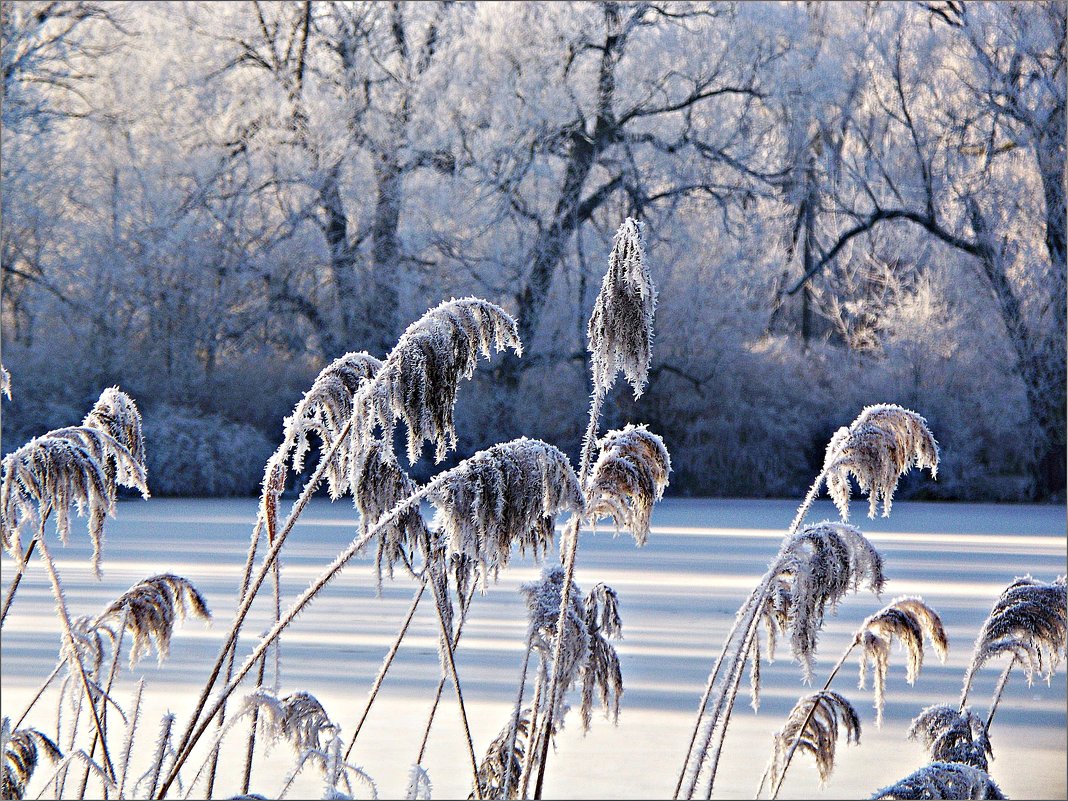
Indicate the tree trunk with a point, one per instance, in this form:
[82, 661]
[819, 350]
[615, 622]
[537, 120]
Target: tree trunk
[382, 295]
[354, 330]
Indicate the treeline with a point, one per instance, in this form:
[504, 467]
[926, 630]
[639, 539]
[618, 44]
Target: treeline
[843, 204]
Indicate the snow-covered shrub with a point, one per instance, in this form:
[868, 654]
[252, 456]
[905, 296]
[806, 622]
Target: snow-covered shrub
[203, 454]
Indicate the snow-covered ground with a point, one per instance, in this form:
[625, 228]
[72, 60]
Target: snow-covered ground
[678, 596]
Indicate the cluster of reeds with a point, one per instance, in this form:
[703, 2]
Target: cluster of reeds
[815, 567]
[499, 500]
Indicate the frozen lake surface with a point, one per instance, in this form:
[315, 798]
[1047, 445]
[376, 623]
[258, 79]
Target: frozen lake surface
[678, 597]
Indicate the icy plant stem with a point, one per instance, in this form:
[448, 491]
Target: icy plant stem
[161, 753]
[37, 696]
[701, 707]
[131, 728]
[806, 504]
[441, 683]
[998, 692]
[516, 714]
[246, 578]
[250, 748]
[808, 717]
[571, 545]
[196, 731]
[535, 739]
[745, 624]
[386, 662]
[184, 744]
[112, 672]
[18, 573]
[446, 637]
[61, 606]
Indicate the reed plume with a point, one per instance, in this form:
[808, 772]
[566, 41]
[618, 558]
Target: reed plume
[418, 381]
[419, 788]
[507, 495]
[952, 735]
[543, 607]
[378, 484]
[1029, 621]
[814, 726]
[299, 718]
[116, 414]
[150, 609]
[815, 570]
[881, 445]
[501, 767]
[324, 411]
[22, 753]
[76, 468]
[601, 670]
[943, 780]
[629, 476]
[621, 327]
[907, 619]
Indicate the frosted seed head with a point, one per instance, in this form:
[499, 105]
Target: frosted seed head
[379, 484]
[323, 411]
[151, 608]
[831, 715]
[23, 749]
[419, 379]
[943, 780]
[880, 446]
[504, 496]
[1029, 621]
[629, 476]
[907, 619]
[952, 735]
[621, 327]
[816, 568]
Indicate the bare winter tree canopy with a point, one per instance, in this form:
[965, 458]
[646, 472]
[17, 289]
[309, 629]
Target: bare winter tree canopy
[840, 203]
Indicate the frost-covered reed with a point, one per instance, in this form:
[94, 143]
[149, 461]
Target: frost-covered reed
[816, 566]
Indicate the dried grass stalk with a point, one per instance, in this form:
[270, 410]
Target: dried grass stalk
[813, 726]
[621, 327]
[629, 476]
[952, 735]
[419, 379]
[151, 608]
[943, 780]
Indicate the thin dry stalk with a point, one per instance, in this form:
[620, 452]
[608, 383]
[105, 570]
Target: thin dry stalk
[387, 661]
